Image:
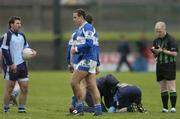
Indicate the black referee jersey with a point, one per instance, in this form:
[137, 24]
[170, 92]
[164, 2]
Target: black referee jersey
[168, 43]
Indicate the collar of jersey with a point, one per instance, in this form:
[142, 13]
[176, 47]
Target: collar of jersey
[83, 24]
[16, 33]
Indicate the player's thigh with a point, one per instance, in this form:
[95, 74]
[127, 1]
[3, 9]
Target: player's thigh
[91, 81]
[78, 75]
[83, 86]
[83, 83]
[9, 85]
[171, 85]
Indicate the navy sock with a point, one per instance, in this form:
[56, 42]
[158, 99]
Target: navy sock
[97, 109]
[173, 98]
[73, 103]
[165, 97]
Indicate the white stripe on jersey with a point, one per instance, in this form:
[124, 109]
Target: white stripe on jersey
[4, 46]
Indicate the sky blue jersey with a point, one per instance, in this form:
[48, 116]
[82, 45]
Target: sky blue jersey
[12, 47]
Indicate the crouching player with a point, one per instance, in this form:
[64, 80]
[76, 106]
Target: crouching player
[127, 99]
[107, 86]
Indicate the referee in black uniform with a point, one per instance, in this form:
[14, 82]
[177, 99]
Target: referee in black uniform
[165, 50]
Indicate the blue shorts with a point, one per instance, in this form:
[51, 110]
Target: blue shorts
[21, 74]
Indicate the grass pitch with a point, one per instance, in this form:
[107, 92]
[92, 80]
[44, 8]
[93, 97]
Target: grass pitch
[50, 94]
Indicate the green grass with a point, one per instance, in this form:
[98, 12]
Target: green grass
[50, 94]
[103, 36]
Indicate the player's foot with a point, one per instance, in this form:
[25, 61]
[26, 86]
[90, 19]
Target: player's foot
[173, 110]
[97, 114]
[6, 109]
[21, 110]
[71, 109]
[134, 107]
[75, 113]
[164, 110]
[141, 108]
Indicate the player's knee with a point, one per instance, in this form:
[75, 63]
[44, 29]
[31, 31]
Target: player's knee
[9, 90]
[172, 89]
[24, 89]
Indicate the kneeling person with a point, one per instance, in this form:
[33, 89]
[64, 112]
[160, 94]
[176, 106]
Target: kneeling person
[127, 99]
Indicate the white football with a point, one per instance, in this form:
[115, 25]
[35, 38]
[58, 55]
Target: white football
[27, 53]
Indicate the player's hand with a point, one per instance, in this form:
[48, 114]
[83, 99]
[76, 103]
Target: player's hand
[156, 51]
[97, 70]
[73, 50]
[70, 68]
[13, 68]
[34, 53]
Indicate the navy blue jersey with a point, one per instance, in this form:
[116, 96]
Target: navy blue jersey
[126, 94]
[107, 87]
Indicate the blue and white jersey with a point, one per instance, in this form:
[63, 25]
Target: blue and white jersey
[76, 40]
[77, 56]
[12, 47]
[96, 47]
[85, 41]
[1, 39]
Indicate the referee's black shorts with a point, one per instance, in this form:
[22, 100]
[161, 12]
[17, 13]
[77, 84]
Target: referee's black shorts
[166, 71]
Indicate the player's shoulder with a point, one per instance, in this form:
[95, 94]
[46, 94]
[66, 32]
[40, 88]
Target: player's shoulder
[88, 26]
[21, 33]
[74, 31]
[170, 37]
[5, 35]
[156, 40]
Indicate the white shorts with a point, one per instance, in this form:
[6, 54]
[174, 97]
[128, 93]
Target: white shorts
[87, 65]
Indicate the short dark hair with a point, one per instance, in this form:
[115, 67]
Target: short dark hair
[12, 19]
[80, 12]
[89, 19]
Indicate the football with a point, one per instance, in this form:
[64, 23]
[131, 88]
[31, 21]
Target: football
[27, 53]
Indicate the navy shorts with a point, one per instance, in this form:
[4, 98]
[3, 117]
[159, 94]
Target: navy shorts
[22, 72]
